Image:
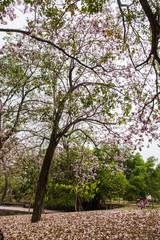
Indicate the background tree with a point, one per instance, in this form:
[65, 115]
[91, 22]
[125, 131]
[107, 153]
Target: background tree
[158, 180]
[74, 172]
[142, 177]
[16, 91]
[113, 183]
[87, 177]
[22, 166]
[27, 162]
[152, 179]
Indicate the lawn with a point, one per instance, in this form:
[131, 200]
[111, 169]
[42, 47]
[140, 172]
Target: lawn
[93, 225]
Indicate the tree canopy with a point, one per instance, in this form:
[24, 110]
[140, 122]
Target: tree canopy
[80, 66]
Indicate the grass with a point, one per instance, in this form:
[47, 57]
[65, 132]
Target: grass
[133, 207]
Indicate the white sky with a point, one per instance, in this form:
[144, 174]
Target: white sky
[153, 150]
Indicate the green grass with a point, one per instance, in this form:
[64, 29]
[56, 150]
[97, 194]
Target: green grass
[157, 207]
[133, 207]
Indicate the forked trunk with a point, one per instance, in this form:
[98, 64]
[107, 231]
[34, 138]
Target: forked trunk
[43, 180]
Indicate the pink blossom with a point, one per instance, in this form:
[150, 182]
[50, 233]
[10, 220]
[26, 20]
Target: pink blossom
[4, 68]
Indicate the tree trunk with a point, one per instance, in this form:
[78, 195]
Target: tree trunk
[43, 179]
[80, 207]
[30, 203]
[111, 204]
[5, 188]
[76, 203]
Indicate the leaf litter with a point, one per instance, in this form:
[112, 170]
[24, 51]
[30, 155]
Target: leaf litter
[91, 225]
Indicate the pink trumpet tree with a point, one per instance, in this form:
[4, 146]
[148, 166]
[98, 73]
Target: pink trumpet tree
[91, 72]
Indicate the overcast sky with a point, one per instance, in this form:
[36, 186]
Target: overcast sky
[153, 150]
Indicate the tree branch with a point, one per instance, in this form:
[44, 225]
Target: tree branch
[30, 34]
[155, 27]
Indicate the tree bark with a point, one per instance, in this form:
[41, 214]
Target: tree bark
[155, 27]
[43, 179]
[76, 203]
[80, 207]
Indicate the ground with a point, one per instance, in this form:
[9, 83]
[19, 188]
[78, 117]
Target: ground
[92, 225]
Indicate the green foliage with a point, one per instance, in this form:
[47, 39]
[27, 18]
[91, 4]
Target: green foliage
[92, 6]
[86, 192]
[143, 178]
[59, 198]
[98, 101]
[109, 180]
[3, 5]
[73, 174]
[113, 182]
[27, 182]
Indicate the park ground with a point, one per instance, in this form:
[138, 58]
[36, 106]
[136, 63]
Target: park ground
[124, 223]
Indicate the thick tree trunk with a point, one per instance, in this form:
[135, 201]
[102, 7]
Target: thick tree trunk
[43, 179]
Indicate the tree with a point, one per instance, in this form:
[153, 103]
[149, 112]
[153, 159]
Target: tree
[77, 102]
[90, 176]
[16, 89]
[142, 177]
[158, 181]
[26, 184]
[74, 170]
[23, 162]
[113, 182]
[152, 178]
[98, 82]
